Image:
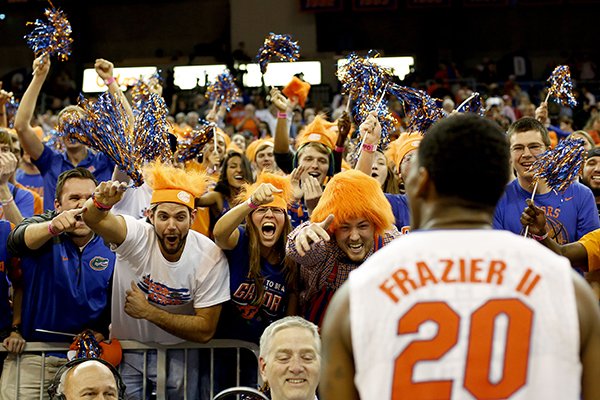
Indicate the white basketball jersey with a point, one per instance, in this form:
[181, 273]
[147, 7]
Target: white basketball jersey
[465, 314]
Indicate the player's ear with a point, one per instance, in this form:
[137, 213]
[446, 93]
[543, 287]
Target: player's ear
[423, 183]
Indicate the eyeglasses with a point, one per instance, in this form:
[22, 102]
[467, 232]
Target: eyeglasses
[274, 210]
[534, 148]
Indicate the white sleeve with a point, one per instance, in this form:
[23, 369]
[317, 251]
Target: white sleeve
[135, 247]
[212, 288]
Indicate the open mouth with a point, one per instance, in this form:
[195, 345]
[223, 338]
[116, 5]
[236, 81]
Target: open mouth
[238, 177]
[595, 178]
[355, 248]
[171, 239]
[268, 230]
[375, 175]
[315, 174]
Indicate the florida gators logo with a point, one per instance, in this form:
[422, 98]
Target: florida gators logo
[99, 263]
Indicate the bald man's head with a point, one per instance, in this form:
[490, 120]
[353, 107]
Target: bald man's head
[89, 380]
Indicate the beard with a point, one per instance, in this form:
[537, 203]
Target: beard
[168, 247]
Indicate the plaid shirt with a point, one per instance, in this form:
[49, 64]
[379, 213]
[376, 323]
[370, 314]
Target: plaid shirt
[318, 263]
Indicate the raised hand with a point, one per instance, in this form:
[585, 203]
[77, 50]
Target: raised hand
[8, 165]
[541, 113]
[41, 66]
[312, 191]
[110, 193]
[104, 68]
[312, 233]
[370, 129]
[295, 178]
[264, 194]
[344, 124]
[279, 100]
[535, 218]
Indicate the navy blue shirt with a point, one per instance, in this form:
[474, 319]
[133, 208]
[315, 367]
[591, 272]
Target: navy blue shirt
[243, 317]
[64, 289]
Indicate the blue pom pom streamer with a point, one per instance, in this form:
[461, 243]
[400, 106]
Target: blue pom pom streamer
[51, 37]
[276, 46]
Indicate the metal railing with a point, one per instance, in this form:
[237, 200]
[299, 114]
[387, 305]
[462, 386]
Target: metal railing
[43, 348]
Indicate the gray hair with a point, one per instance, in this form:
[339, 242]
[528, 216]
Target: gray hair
[284, 323]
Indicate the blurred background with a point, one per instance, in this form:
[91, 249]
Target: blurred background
[487, 45]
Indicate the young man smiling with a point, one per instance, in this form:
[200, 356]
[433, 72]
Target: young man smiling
[171, 281]
[352, 220]
[570, 215]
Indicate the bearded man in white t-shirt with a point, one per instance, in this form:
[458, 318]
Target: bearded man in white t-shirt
[171, 281]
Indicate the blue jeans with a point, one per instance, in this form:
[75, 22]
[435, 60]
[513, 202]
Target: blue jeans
[132, 372]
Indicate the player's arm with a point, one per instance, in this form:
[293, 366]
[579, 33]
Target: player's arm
[589, 330]
[337, 363]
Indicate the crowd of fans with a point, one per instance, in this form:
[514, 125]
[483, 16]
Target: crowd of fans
[268, 222]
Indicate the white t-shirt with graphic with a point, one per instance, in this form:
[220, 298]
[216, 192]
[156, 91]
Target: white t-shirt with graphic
[199, 279]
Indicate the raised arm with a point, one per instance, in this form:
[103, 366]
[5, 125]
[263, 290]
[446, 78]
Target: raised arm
[105, 70]
[225, 231]
[282, 130]
[96, 213]
[370, 130]
[27, 136]
[344, 125]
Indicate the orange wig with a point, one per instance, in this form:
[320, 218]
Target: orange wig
[350, 195]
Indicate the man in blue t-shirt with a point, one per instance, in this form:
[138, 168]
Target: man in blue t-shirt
[50, 163]
[66, 276]
[570, 215]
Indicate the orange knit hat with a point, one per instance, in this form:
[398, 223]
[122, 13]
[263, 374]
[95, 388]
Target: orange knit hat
[256, 146]
[400, 147]
[352, 194]
[174, 185]
[281, 200]
[297, 88]
[318, 131]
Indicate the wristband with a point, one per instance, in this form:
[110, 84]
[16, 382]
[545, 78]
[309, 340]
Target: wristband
[51, 230]
[539, 238]
[110, 80]
[369, 148]
[251, 204]
[16, 328]
[7, 202]
[281, 115]
[339, 149]
[98, 205]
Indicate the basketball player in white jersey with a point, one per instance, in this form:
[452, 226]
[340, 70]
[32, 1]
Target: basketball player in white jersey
[456, 310]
